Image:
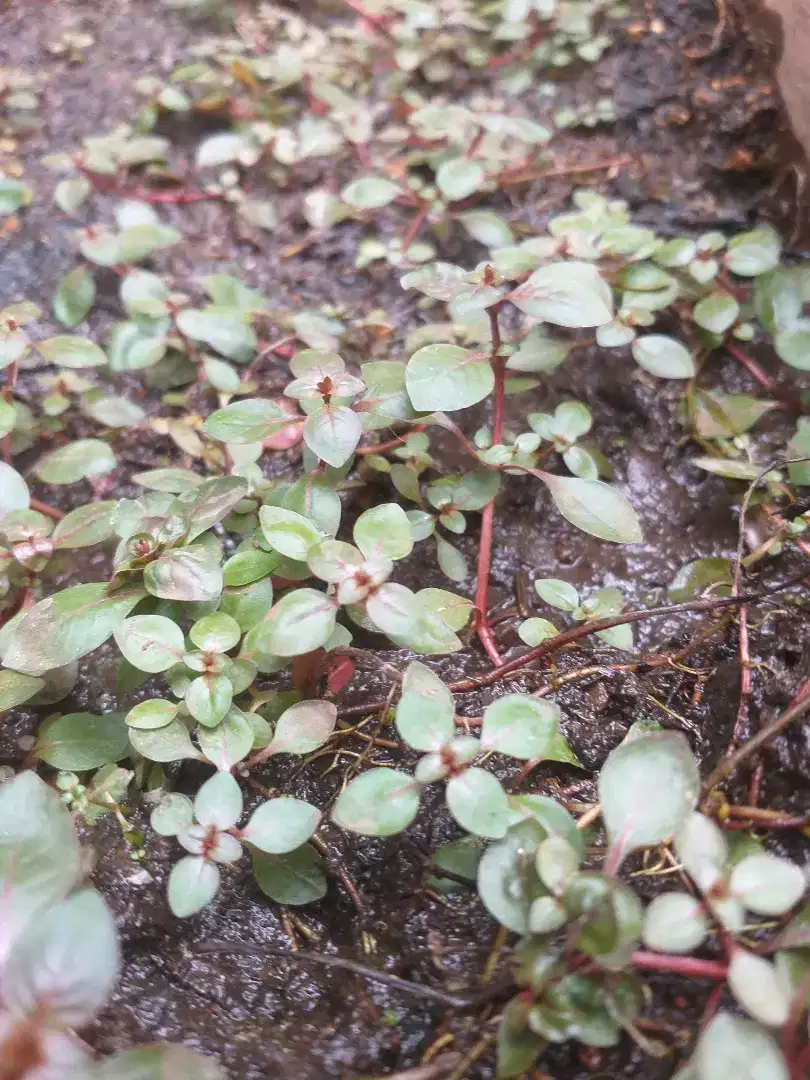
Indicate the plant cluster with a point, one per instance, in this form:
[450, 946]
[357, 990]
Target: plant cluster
[227, 585]
[59, 954]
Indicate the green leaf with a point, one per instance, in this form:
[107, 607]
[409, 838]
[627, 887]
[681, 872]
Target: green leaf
[487, 228]
[169, 743]
[648, 788]
[451, 561]
[799, 446]
[134, 346]
[15, 688]
[701, 847]
[698, 575]
[663, 356]
[67, 626]
[675, 923]
[595, 508]
[566, 294]
[459, 177]
[507, 881]
[67, 960]
[793, 345]
[229, 742]
[140, 241]
[208, 503]
[186, 574]
[304, 727]
[111, 411]
[218, 802]
[159, 1062]
[281, 825]
[448, 377]
[75, 461]
[519, 726]
[85, 526]
[248, 604]
[173, 813]
[534, 632]
[716, 312]
[208, 698]
[332, 433]
[248, 421]
[14, 195]
[370, 192]
[245, 567]
[226, 330]
[295, 878]
[216, 632]
[731, 1047]
[74, 297]
[753, 253]
[13, 490]
[518, 1046]
[144, 294]
[730, 468]
[400, 613]
[150, 642]
[479, 804]
[153, 714]
[384, 532]
[426, 709]
[557, 593]
[381, 802]
[754, 982]
[69, 194]
[40, 858]
[301, 621]
[289, 533]
[193, 883]
[767, 884]
[461, 857]
[81, 741]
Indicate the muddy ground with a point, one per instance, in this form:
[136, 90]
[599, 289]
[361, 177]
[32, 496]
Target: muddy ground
[705, 137]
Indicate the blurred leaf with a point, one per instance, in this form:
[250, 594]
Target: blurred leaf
[75, 461]
[73, 299]
[81, 741]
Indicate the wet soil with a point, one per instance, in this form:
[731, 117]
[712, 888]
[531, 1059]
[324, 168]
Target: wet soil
[704, 134]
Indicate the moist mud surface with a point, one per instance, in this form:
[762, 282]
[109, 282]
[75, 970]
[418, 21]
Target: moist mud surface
[701, 127]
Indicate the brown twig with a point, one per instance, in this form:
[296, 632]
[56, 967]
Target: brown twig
[564, 170]
[46, 509]
[429, 993]
[568, 637]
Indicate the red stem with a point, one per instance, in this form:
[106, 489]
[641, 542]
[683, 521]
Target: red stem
[392, 444]
[679, 965]
[414, 228]
[768, 384]
[44, 508]
[488, 516]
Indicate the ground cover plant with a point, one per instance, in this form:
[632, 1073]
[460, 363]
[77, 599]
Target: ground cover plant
[278, 525]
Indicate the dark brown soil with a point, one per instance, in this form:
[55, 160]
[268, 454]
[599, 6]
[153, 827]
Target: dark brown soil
[705, 136]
